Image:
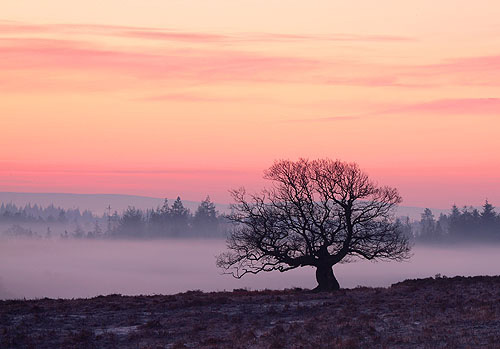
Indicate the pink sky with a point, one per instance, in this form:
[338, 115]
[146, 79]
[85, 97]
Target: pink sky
[167, 98]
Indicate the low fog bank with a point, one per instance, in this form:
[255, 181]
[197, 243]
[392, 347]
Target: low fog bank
[36, 268]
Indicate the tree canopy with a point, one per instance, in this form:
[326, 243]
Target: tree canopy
[316, 213]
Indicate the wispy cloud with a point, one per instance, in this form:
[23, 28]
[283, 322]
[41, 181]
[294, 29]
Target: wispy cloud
[203, 98]
[23, 47]
[202, 66]
[443, 107]
[328, 118]
[464, 64]
[463, 71]
[166, 34]
[9, 168]
[460, 106]
[329, 37]
[14, 27]
[373, 80]
[173, 36]
[481, 70]
[256, 37]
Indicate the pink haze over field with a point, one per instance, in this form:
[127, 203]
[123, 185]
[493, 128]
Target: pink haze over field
[167, 98]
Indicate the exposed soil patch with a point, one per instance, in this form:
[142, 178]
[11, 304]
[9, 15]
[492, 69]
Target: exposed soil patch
[424, 313]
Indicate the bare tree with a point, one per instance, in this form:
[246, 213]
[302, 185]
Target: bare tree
[316, 213]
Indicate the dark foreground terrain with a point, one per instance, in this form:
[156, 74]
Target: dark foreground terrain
[426, 313]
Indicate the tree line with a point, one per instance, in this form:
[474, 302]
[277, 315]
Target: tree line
[11, 213]
[166, 221]
[169, 221]
[175, 220]
[466, 224]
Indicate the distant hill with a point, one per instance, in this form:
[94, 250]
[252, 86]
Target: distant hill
[97, 203]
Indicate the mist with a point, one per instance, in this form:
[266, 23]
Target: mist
[37, 268]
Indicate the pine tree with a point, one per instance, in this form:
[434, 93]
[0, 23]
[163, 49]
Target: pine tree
[205, 220]
[488, 220]
[427, 225]
[179, 218]
[132, 223]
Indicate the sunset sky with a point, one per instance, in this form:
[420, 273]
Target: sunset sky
[166, 98]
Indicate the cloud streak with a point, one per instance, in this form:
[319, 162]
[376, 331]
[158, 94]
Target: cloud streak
[214, 63]
[459, 71]
[460, 106]
[444, 107]
[203, 66]
[203, 98]
[9, 168]
[165, 34]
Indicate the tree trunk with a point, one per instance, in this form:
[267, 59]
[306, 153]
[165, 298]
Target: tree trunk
[326, 280]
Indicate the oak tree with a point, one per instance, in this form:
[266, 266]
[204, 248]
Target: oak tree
[316, 213]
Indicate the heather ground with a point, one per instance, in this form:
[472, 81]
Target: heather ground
[454, 312]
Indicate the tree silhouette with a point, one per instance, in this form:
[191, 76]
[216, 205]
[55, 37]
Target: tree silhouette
[205, 221]
[179, 218]
[317, 213]
[428, 226]
[488, 220]
[159, 220]
[131, 223]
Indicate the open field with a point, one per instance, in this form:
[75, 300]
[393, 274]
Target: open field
[439, 312]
